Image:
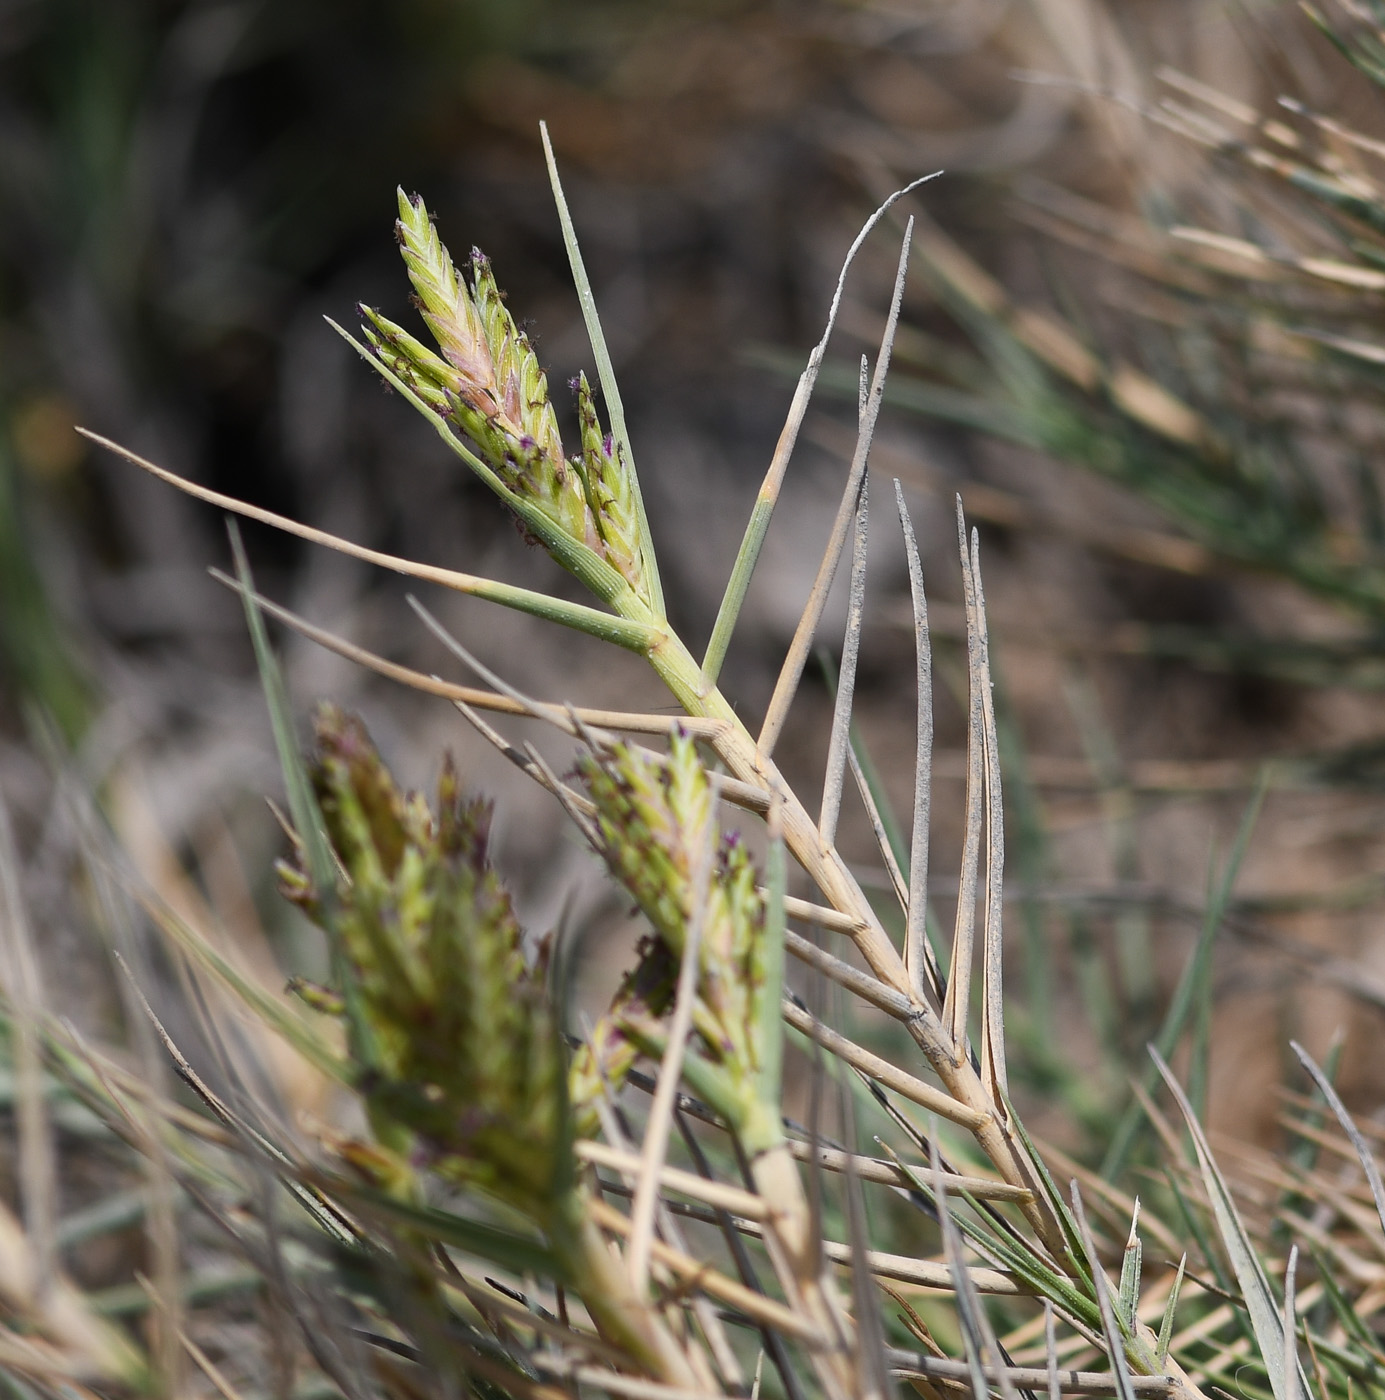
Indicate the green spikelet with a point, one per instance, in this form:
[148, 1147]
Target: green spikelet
[445, 305]
[526, 413]
[609, 490]
[435, 381]
[521, 385]
[322, 999]
[652, 817]
[469, 1082]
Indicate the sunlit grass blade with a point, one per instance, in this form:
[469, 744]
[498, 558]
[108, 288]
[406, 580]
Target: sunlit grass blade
[758, 526]
[1170, 1310]
[1291, 1362]
[993, 1069]
[610, 386]
[1260, 1303]
[634, 636]
[924, 976]
[840, 739]
[1358, 1141]
[792, 670]
[957, 1004]
[1132, 1264]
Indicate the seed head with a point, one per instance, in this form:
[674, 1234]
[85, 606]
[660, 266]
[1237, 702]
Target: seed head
[468, 1055]
[488, 381]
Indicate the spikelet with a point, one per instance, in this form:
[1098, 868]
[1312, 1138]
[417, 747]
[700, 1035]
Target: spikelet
[653, 819]
[468, 1057]
[445, 305]
[526, 414]
[435, 381]
[521, 384]
[610, 491]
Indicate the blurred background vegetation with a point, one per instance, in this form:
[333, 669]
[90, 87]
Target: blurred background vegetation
[1139, 343]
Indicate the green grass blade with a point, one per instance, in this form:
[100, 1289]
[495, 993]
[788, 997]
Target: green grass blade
[1260, 1303]
[303, 805]
[1363, 1151]
[634, 635]
[1291, 1364]
[1113, 1330]
[1195, 1228]
[303, 808]
[757, 527]
[977, 1332]
[1190, 985]
[610, 389]
[1170, 1308]
[1131, 1267]
[770, 1029]
[1043, 1179]
[1353, 1327]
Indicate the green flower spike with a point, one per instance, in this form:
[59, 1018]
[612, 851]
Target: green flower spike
[653, 816]
[488, 382]
[468, 1059]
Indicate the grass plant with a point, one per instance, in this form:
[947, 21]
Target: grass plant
[512, 1205]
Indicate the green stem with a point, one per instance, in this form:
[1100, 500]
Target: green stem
[623, 1319]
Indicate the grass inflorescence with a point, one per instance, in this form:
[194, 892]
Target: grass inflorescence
[522, 1206]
